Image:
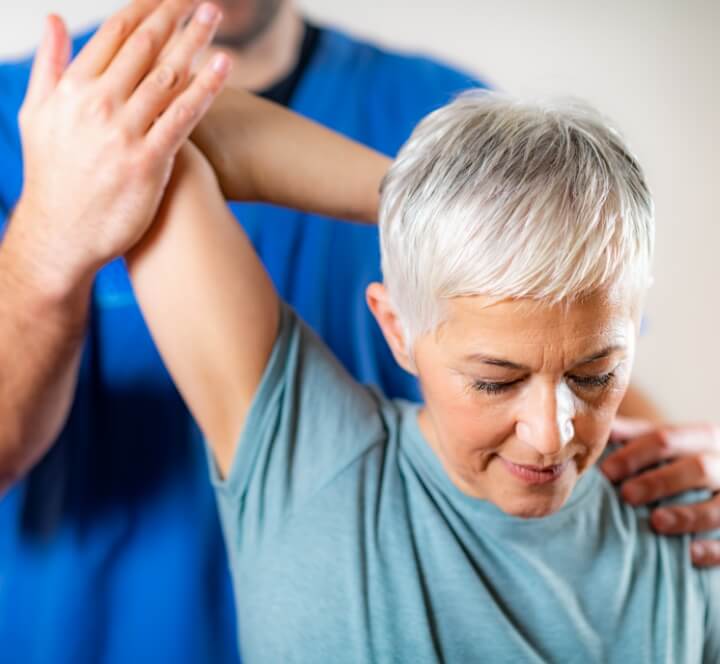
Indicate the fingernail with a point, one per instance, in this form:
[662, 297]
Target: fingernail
[635, 493]
[699, 550]
[48, 27]
[221, 63]
[207, 14]
[666, 519]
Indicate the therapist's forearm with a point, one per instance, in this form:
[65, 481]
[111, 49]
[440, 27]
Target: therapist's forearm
[261, 151]
[42, 328]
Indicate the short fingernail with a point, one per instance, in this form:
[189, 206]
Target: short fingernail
[207, 14]
[666, 519]
[221, 63]
[699, 549]
[635, 493]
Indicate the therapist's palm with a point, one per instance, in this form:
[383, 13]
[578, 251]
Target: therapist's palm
[100, 136]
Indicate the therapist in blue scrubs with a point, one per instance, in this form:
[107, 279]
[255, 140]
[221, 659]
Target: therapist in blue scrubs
[110, 547]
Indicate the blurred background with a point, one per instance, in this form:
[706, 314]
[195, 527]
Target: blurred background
[651, 65]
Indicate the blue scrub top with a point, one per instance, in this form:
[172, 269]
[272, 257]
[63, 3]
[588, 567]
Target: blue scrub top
[110, 550]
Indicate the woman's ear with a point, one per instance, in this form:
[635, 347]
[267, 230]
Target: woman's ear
[378, 300]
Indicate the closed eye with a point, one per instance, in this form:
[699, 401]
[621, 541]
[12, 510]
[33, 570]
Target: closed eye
[583, 382]
[494, 387]
[593, 382]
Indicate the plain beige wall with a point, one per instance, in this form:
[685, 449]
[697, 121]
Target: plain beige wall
[652, 65]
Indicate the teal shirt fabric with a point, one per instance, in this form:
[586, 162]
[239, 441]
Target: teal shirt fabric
[348, 543]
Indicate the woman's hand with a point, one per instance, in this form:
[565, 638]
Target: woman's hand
[691, 456]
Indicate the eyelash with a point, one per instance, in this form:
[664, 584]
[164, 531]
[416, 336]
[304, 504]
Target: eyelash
[585, 382]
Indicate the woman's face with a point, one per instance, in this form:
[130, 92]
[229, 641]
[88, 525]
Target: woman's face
[520, 396]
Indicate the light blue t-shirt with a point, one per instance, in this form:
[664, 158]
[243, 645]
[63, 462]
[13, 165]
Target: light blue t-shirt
[349, 543]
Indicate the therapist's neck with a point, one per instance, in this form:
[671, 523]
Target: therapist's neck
[270, 57]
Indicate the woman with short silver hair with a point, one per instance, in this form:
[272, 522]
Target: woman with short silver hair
[516, 246]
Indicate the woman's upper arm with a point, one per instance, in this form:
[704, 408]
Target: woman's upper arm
[210, 306]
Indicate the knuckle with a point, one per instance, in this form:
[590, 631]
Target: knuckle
[146, 161]
[165, 77]
[631, 464]
[664, 439]
[120, 138]
[145, 41]
[699, 468]
[68, 87]
[712, 516]
[185, 114]
[713, 551]
[100, 108]
[117, 27]
[208, 85]
[688, 517]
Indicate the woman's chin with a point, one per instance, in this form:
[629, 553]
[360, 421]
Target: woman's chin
[535, 502]
[531, 504]
[530, 497]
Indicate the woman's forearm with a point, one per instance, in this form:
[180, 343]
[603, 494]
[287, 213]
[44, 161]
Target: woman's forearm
[262, 151]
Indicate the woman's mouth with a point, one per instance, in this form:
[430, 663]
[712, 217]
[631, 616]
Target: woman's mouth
[535, 474]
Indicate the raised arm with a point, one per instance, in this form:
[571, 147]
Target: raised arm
[210, 305]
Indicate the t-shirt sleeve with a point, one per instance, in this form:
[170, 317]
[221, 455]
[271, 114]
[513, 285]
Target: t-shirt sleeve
[309, 421]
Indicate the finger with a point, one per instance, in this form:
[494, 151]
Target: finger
[692, 438]
[684, 474]
[97, 54]
[141, 49]
[169, 79]
[641, 452]
[705, 553]
[175, 125]
[624, 428]
[50, 61]
[697, 518]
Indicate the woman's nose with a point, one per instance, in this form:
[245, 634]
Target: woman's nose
[546, 422]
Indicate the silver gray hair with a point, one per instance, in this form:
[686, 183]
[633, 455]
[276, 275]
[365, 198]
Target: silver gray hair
[511, 199]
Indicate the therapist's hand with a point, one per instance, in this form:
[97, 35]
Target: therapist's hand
[691, 456]
[100, 136]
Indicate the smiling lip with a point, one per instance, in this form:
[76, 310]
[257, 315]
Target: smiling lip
[535, 474]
